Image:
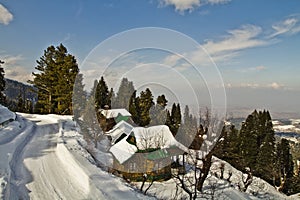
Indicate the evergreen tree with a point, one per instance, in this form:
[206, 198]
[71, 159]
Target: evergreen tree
[285, 164]
[257, 145]
[158, 113]
[162, 101]
[102, 95]
[145, 102]
[248, 141]
[134, 108]
[168, 119]
[188, 130]
[79, 97]
[228, 147]
[267, 154]
[2, 84]
[91, 127]
[124, 93]
[266, 159]
[175, 119]
[21, 103]
[233, 151]
[139, 107]
[93, 90]
[57, 70]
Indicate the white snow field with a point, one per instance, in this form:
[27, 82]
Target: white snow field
[42, 157]
[44, 160]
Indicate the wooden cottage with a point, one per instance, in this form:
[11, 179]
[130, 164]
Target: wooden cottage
[138, 151]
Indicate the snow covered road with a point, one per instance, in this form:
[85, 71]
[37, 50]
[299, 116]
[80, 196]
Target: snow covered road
[43, 160]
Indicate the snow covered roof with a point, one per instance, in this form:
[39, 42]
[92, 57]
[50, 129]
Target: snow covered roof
[123, 150]
[6, 115]
[155, 137]
[113, 113]
[152, 137]
[119, 129]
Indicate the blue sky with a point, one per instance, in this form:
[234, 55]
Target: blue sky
[254, 43]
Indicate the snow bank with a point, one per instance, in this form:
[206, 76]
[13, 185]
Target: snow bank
[73, 168]
[6, 115]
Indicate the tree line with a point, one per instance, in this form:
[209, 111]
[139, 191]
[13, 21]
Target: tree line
[254, 149]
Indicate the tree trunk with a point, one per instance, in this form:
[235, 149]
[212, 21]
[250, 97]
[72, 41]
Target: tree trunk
[204, 171]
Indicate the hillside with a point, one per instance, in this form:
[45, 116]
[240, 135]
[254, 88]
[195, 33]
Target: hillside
[14, 88]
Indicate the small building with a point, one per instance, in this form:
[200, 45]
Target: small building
[138, 151]
[110, 117]
[116, 114]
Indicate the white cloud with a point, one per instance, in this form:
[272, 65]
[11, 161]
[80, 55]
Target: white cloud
[171, 60]
[5, 16]
[259, 68]
[189, 5]
[181, 6]
[18, 73]
[14, 70]
[254, 69]
[273, 85]
[237, 40]
[11, 60]
[289, 26]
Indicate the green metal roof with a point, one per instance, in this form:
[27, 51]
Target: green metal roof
[158, 154]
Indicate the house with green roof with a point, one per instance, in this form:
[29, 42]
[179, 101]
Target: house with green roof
[138, 151]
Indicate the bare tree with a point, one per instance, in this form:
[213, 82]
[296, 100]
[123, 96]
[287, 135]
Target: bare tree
[247, 179]
[199, 161]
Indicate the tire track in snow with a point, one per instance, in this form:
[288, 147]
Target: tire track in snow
[16, 183]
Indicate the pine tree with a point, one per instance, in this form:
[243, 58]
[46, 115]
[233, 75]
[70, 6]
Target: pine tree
[233, 151]
[267, 154]
[134, 108]
[162, 101]
[158, 112]
[168, 119]
[175, 119]
[145, 103]
[124, 93]
[21, 103]
[257, 145]
[79, 97]
[248, 141]
[188, 130]
[93, 90]
[2, 84]
[265, 167]
[102, 96]
[285, 164]
[140, 106]
[91, 127]
[57, 70]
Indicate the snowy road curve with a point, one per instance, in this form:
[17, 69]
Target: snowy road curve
[42, 166]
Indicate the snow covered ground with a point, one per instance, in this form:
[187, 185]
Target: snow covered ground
[43, 157]
[6, 115]
[44, 160]
[287, 125]
[217, 188]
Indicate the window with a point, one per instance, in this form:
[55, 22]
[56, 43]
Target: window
[132, 166]
[131, 139]
[158, 165]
